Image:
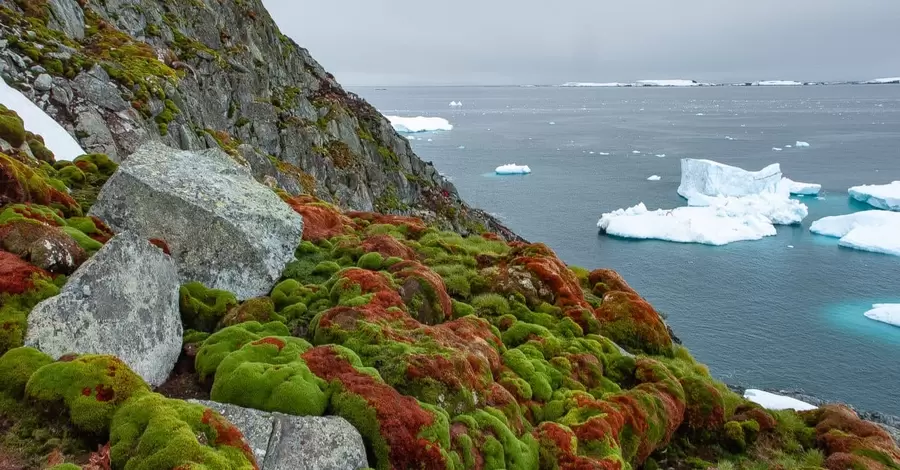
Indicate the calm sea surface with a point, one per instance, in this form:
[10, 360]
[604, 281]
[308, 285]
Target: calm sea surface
[761, 313]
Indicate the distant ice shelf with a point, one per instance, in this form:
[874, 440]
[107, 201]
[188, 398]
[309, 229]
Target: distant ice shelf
[873, 230]
[771, 401]
[777, 83]
[885, 313]
[881, 196]
[412, 125]
[60, 142]
[513, 169]
[883, 81]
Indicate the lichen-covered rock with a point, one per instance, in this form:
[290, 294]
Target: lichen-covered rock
[47, 247]
[153, 432]
[123, 302]
[223, 228]
[285, 442]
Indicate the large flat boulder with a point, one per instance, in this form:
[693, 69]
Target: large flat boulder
[122, 302]
[286, 442]
[222, 227]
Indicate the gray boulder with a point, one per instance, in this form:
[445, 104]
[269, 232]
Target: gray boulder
[286, 442]
[122, 302]
[67, 16]
[223, 228]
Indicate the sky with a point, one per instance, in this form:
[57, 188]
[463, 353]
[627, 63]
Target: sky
[506, 42]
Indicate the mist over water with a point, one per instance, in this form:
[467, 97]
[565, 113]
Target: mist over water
[761, 313]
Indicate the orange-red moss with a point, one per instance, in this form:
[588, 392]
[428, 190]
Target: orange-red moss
[633, 323]
[321, 221]
[16, 275]
[388, 246]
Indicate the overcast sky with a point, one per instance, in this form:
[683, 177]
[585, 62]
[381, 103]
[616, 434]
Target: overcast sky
[421, 42]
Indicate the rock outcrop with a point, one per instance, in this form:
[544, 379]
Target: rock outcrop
[222, 227]
[285, 442]
[122, 302]
[205, 74]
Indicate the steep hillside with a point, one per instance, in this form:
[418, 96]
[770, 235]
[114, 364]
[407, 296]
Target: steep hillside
[197, 74]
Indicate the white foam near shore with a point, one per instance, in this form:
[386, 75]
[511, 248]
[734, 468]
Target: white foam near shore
[873, 230]
[882, 196]
[513, 169]
[771, 401]
[60, 142]
[412, 125]
[885, 313]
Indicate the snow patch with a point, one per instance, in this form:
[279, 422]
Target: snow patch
[60, 142]
[513, 169]
[412, 125]
[885, 313]
[771, 401]
[882, 196]
[873, 230]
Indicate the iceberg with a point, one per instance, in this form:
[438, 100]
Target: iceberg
[873, 230]
[777, 83]
[513, 169]
[455, 104]
[592, 85]
[883, 196]
[883, 81]
[711, 178]
[667, 83]
[885, 313]
[60, 142]
[654, 178]
[412, 125]
[801, 143]
[777, 149]
[803, 189]
[771, 401]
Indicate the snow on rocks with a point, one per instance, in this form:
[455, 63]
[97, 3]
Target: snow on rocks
[803, 189]
[885, 313]
[412, 125]
[60, 142]
[883, 196]
[873, 230]
[771, 401]
[513, 169]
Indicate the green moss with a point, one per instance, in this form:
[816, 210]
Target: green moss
[90, 388]
[491, 305]
[225, 341]
[166, 116]
[268, 375]
[260, 309]
[12, 129]
[734, 436]
[202, 308]
[38, 149]
[153, 432]
[87, 243]
[371, 261]
[65, 466]
[17, 366]
[14, 310]
[72, 176]
[461, 309]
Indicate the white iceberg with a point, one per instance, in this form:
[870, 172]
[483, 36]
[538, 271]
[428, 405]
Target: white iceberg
[882, 81]
[777, 83]
[667, 83]
[882, 196]
[455, 104]
[771, 401]
[636, 152]
[801, 143]
[885, 313]
[654, 178]
[604, 153]
[661, 155]
[60, 142]
[873, 230]
[699, 176]
[594, 85]
[803, 189]
[513, 169]
[777, 149]
[412, 125]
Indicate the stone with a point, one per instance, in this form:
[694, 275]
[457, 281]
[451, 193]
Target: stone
[286, 442]
[223, 228]
[43, 82]
[42, 245]
[122, 302]
[97, 88]
[68, 17]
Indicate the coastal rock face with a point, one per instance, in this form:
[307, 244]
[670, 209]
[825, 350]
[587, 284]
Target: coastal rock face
[285, 442]
[207, 73]
[222, 227]
[122, 302]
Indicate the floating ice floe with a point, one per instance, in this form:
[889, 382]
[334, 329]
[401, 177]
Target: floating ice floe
[552, 123]
[455, 104]
[636, 152]
[667, 83]
[57, 140]
[885, 313]
[726, 204]
[873, 230]
[803, 189]
[882, 196]
[801, 143]
[603, 153]
[777, 83]
[654, 178]
[728, 137]
[412, 125]
[883, 81]
[771, 401]
[513, 169]
[594, 85]
[661, 155]
[777, 149]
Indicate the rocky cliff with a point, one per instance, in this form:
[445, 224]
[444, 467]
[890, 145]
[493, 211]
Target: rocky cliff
[204, 73]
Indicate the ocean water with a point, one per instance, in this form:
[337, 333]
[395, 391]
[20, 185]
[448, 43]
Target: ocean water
[760, 314]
